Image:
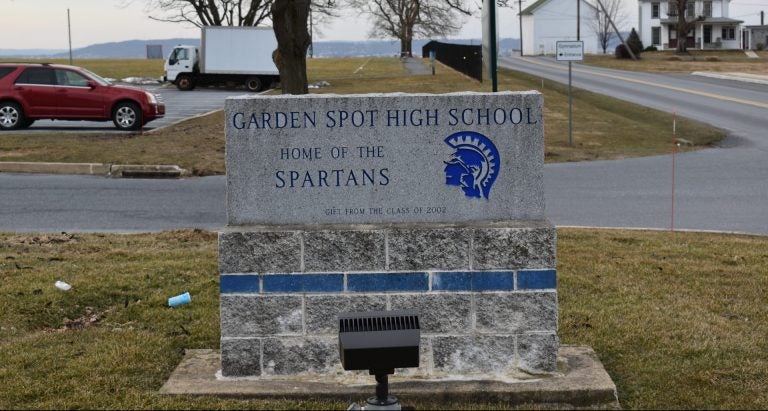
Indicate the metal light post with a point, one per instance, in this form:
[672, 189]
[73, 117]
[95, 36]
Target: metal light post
[494, 75]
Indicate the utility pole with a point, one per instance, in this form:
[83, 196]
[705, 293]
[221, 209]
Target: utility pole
[69, 32]
[610, 20]
[578, 20]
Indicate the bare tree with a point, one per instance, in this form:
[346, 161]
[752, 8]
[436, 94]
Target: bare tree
[601, 24]
[210, 12]
[686, 21]
[407, 19]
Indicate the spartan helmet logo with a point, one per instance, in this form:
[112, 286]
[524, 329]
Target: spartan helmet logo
[474, 165]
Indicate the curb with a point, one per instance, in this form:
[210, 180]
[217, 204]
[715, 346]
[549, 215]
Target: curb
[745, 77]
[100, 169]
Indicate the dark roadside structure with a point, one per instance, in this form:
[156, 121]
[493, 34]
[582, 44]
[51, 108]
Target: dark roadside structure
[465, 58]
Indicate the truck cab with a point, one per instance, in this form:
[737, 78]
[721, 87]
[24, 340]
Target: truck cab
[181, 66]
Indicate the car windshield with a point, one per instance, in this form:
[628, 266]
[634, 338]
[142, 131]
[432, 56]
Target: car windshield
[96, 77]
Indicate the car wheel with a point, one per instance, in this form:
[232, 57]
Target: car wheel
[127, 116]
[184, 83]
[27, 122]
[11, 116]
[253, 84]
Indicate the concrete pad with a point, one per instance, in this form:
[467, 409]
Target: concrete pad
[147, 171]
[582, 382]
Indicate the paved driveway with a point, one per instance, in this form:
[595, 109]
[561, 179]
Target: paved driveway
[179, 105]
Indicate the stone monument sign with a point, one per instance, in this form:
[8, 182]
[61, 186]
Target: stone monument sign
[390, 201]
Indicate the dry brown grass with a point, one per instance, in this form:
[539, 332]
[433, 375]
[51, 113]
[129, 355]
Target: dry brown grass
[696, 60]
[678, 319]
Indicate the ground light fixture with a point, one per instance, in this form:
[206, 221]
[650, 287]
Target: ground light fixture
[379, 341]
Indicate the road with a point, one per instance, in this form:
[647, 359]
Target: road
[738, 107]
[52, 203]
[723, 189]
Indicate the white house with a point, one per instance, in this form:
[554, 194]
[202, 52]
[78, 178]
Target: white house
[548, 21]
[713, 28]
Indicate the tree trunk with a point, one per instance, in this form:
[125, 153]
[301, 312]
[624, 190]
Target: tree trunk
[682, 27]
[289, 20]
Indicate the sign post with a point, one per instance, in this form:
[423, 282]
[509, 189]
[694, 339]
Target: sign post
[490, 40]
[570, 51]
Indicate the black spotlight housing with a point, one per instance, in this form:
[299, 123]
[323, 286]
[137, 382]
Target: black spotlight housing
[379, 341]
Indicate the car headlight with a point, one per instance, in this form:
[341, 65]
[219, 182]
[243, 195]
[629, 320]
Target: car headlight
[151, 97]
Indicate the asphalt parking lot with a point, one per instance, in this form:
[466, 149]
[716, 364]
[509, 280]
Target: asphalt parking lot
[179, 105]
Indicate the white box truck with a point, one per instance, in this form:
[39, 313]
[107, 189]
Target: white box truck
[228, 55]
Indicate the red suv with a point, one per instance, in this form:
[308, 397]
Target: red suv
[31, 91]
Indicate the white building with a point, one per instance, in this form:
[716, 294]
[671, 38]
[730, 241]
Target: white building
[713, 29]
[547, 21]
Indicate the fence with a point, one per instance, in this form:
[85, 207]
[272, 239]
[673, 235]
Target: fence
[461, 57]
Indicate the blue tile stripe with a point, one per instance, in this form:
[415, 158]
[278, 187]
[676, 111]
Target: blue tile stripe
[536, 279]
[388, 282]
[303, 283]
[473, 281]
[441, 281]
[239, 284]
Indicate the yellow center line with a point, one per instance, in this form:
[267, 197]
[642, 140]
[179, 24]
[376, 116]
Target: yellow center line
[664, 86]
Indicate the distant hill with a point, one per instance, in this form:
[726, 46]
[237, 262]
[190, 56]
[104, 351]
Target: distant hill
[134, 49]
[28, 53]
[131, 49]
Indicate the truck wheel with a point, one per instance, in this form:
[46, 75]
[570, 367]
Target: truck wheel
[184, 83]
[11, 116]
[253, 84]
[127, 116]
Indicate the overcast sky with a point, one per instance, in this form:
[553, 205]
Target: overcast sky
[42, 24]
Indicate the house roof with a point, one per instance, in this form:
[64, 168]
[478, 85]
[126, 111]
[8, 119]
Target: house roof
[721, 20]
[538, 3]
[529, 10]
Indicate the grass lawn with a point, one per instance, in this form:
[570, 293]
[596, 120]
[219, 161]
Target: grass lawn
[695, 60]
[679, 320]
[604, 128]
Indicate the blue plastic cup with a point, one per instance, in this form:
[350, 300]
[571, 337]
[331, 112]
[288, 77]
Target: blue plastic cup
[179, 300]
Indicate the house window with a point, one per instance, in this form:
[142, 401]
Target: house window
[690, 9]
[672, 34]
[654, 10]
[707, 9]
[729, 33]
[672, 9]
[656, 35]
